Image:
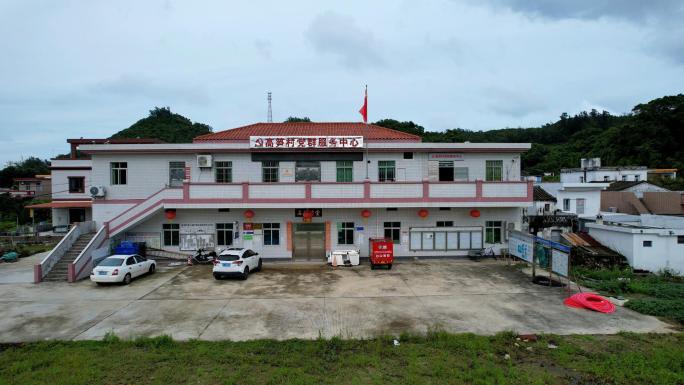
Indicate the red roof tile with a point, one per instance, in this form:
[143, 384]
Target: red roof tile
[369, 132]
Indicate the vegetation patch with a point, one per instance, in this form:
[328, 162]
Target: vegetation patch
[436, 358]
[659, 294]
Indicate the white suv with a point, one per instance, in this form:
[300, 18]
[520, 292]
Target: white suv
[236, 262]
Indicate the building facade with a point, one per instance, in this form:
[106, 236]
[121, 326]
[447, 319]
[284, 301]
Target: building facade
[300, 190]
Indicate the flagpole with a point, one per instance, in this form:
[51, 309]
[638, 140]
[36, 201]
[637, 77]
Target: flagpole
[365, 139]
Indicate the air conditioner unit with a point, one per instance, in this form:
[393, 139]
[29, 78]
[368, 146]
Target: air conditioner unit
[97, 191]
[204, 161]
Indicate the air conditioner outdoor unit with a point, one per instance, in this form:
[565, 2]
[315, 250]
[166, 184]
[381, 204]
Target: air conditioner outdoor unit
[204, 161]
[97, 191]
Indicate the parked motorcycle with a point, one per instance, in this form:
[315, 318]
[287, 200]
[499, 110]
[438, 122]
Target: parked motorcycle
[203, 256]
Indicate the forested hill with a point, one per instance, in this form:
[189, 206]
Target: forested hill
[164, 125]
[651, 135]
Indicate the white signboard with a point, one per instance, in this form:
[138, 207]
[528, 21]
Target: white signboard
[304, 142]
[194, 236]
[445, 156]
[559, 262]
[521, 245]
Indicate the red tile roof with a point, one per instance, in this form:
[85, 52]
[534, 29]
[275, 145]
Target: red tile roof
[369, 132]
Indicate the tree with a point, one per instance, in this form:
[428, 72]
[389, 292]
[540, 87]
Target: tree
[164, 125]
[294, 119]
[26, 168]
[408, 127]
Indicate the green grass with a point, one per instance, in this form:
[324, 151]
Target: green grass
[438, 358]
[654, 294]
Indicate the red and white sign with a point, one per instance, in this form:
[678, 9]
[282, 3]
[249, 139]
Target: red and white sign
[445, 156]
[306, 142]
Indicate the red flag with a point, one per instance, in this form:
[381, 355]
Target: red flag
[364, 109]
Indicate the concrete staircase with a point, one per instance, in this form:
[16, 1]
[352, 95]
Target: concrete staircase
[60, 271]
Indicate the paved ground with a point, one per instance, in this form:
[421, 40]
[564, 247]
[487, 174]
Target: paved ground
[300, 301]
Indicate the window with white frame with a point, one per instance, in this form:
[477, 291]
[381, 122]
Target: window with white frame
[224, 234]
[119, 172]
[493, 231]
[393, 231]
[386, 171]
[171, 234]
[271, 234]
[494, 170]
[223, 171]
[580, 205]
[345, 233]
[269, 171]
[566, 204]
[176, 173]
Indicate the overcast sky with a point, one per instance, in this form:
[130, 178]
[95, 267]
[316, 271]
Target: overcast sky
[90, 68]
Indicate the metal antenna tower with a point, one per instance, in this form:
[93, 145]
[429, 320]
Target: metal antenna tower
[269, 118]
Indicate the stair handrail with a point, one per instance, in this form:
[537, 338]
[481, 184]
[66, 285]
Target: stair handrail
[138, 211]
[77, 269]
[43, 268]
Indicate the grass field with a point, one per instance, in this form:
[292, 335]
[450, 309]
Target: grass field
[438, 358]
[654, 294]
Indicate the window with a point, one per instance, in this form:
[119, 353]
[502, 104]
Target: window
[648, 243]
[494, 170]
[271, 234]
[460, 173]
[176, 173]
[391, 209]
[393, 231]
[140, 258]
[636, 178]
[308, 171]
[566, 204]
[171, 234]
[130, 261]
[446, 171]
[445, 223]
[680, 239]
[445, 209]
[345, 233]
[386, 171]
[76, 184]
[408, 155]
[493, 231]
[224, 234]
[269, 171]
[547, 207]
[605, 178]
[224, 172]
[580, 205]
[345, 171]
[624, 177]
[581, 179]
[118, 172]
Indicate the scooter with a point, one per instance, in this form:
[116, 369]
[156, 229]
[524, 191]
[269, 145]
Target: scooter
[203, 256]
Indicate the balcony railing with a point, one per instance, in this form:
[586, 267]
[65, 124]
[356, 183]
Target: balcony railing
[477, 191]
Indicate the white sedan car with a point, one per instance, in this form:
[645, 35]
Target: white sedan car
[236, 262]
[122, 268]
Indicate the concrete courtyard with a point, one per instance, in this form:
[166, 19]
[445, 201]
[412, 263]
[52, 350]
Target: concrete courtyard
[289, 300]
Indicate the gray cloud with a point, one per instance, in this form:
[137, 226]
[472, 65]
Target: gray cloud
[635, 10]
[134, 86]
[338, 35]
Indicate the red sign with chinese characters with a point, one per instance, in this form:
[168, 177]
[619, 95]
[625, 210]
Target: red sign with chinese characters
[304, 142]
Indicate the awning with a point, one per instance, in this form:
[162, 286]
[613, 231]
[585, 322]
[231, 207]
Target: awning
[62, 205]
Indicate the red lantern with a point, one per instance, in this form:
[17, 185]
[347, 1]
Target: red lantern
[475, 213]
[308, 214]
[170, 214]
[423, 213]
[366, 213]
[249, 214]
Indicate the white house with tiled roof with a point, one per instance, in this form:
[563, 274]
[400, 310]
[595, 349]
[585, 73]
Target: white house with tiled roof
[300, 190]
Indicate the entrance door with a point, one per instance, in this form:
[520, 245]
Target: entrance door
[76, 215]
[309, 241]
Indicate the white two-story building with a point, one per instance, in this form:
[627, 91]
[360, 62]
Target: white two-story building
[299, 190]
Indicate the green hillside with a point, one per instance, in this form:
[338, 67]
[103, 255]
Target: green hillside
[164, 125]
[651, 135]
